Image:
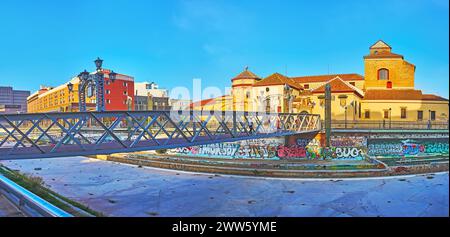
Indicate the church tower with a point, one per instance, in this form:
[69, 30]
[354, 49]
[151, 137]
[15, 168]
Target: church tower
[242, 90]
[387, 70]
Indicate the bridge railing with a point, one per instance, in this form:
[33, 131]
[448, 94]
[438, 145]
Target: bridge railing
[58, 134]
[386, 124]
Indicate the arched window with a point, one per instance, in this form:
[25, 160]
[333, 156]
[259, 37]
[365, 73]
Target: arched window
[383, 74]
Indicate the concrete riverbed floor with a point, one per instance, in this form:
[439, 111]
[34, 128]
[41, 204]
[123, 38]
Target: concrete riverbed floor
[127, 190]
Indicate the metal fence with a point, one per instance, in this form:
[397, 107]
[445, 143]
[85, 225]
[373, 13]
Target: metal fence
[386, 125]
[29, 203]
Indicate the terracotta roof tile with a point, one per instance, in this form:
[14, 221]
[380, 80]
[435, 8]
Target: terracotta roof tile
[325, 78]
[338, 85]
[278, 79]
[384, 55]
[201, 103]
[380, 44]
[207, 101]
[246, 74]
[433, 97]
[393, 94]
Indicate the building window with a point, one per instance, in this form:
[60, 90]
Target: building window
[383, 74]
[267, 89]
[125, 92]
[367, 114]
[125, 84]
[108, 92]
[108, 82]
[403, 113]
[386, 114]
[433, 115]
[420, 115]
[108, 101]
[306, 86]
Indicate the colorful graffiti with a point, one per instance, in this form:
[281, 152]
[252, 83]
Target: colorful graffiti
[348, 141]
[286, 152]
[256, 151]
[407, 147]
[345, 147]
[223, 149]
[249, 149]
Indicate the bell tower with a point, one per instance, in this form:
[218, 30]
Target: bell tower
[242, 90]
[384, 69]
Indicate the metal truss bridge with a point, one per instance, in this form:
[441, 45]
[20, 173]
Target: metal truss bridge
[45, 135]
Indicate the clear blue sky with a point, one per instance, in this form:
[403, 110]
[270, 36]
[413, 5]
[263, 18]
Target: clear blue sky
[171, 42]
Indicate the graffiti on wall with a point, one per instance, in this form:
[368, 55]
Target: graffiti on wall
[408, 147]
[348, 141]
[249, 149]
[346, 147]
[342, 148]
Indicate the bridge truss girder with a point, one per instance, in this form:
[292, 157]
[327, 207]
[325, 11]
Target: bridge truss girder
[44, 135]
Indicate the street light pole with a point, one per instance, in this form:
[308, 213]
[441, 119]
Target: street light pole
[88, 80]
[129, 122]
[390, 118]
[345, 116]
[327, 114]
[429, 119]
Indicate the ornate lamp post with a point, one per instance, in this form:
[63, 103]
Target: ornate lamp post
[95, 82]
[288, 98]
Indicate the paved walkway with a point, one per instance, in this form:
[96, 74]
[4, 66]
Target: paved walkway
[126, 190]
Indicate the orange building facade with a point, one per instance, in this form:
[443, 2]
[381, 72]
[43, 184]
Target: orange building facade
[60, 99]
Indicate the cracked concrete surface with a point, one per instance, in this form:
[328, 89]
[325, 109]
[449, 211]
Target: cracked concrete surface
[126, 190]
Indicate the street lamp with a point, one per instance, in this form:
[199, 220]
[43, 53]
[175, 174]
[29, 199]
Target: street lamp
[390, 117]
[70, 86]
[112, 76]
[95, 80]
[98, 63]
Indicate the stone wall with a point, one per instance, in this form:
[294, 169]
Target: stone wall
[344, 146]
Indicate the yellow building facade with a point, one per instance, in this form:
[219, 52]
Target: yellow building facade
[57, 99]
[385, 92]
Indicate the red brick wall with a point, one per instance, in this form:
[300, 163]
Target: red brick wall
[116, 96]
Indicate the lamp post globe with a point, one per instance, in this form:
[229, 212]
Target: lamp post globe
[70, 86]
[112, 76]
[98, 63]
[84, 75]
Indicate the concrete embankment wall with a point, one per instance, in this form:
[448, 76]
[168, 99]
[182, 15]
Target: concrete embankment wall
[350, 145]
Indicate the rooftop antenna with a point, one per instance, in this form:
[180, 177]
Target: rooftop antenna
[286, 69]
[246, 68]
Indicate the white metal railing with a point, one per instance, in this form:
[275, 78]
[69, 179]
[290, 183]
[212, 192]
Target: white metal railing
[29, 203]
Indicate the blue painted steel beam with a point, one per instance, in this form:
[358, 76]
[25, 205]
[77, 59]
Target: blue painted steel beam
[179, 130]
